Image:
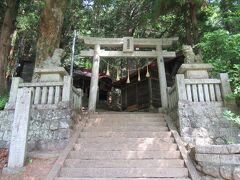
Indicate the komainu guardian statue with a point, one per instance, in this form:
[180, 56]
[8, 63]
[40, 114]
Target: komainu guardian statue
[55, 60]
[190, 56]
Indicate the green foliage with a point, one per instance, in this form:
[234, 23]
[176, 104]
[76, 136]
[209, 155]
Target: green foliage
[229, 115]
[140, 18]
[230, 13]
[2, 7]
[222, 49]
[3, 101]
[235, 79]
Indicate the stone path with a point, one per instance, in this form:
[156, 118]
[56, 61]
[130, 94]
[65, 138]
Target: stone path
[124, 146]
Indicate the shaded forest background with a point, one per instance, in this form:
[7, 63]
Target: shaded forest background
[36, 27]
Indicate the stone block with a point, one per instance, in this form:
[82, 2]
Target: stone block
[196, 74]
[63, 125]
[236, 173]
[7, 135]
[195, 71]
[55, 74]
[218, 149]
[231, 159]
[211, 170]
[54, 125]
[226, 172]
[39, 126]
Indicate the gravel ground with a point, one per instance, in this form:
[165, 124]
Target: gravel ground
[36, 169]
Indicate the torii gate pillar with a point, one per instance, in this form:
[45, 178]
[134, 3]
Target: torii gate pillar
[94, 79]
[162, 77]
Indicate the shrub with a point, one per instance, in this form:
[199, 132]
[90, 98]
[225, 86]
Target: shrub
[3, 101]
[229, 115]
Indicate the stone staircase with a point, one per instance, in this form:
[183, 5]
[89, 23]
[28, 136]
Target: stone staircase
[124, 146]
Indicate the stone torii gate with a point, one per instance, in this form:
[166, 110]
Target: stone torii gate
[127, 44]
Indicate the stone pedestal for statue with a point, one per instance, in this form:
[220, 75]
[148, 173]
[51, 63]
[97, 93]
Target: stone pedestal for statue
[49, 74]
[195, 71]
[51, 70]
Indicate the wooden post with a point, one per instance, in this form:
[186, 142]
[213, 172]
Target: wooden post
[94, 80]
[126, 97]
[137, 96]
[150, 93]
[162, 77]
[181, 90]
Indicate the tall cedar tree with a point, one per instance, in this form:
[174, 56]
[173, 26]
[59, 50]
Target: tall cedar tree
[52, 18]
[7, 30]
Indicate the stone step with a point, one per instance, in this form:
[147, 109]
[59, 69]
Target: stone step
[124, 119]
[127, 115]
[65, 178]
[126, 129]
[125, 123]
[111, 155]
[142, 134]
[115, 146]
[124, 139]
[140, 163]
[124, 172]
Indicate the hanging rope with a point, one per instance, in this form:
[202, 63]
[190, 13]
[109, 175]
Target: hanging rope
[139, 76]
[128, 79]
[117, 67]
[108, 73]
[118, 77]
[138, 69]
[147, 74]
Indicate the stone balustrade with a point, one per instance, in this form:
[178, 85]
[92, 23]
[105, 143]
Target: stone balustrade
[196, 90]
[51, 113]
[197, 103]
[47, 93]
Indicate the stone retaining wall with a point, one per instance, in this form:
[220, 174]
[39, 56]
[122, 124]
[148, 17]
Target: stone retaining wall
[202, 123]
[218, 161]
[49, 128]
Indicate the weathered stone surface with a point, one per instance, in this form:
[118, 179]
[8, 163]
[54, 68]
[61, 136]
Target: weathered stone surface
[223, 159]
[189, 54]
[236, 173]
[211, 170]
[55, 60]
[204, 123]
[218, 149]
[226, 172]
[54, 126]
[18, 146]
[48, 127]
[209, 178]
[63, 125]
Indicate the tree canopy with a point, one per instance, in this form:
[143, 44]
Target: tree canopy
[211, 27]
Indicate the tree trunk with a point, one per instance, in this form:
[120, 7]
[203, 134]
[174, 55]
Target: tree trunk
[8, 28]
[187, 22]
[193, 20]
[52, 18]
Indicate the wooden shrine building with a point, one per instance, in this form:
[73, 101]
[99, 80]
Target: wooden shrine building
[126, 47]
